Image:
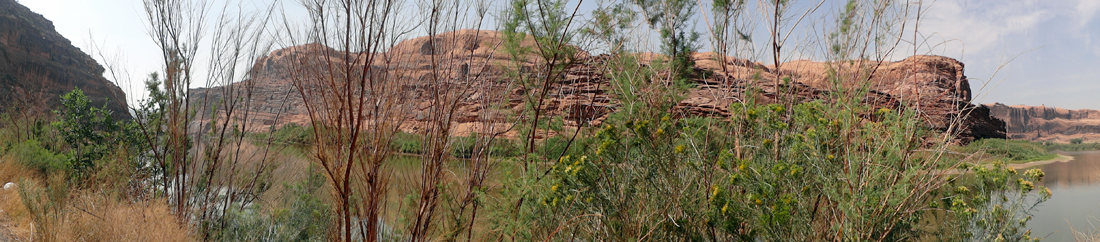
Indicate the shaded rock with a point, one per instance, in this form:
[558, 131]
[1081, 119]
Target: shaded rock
[38, 65]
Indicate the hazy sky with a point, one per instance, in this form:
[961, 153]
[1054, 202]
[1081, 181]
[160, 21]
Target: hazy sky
[1056, 44]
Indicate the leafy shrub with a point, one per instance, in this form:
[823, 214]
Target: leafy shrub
[810, 171]
[90, 132]
[406, 143]
[1051, 146]
[305, 217]
[466, 146]
[32, 154]
[1012, 151]
[289, 134]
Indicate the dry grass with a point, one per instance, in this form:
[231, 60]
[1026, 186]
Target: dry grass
[93, 218]
[90, 216]
[14, 217]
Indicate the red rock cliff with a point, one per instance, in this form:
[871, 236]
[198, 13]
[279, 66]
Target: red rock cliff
[1041, 123]
[932, 85]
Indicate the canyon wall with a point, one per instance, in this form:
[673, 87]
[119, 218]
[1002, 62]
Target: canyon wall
[1041, 123]
[38, 65]
[933, 86]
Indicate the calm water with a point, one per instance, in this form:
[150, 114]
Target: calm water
[1076, 200]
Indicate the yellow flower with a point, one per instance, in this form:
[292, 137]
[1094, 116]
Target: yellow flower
[830, 157]
[726, 207]
[758, 202]
[680, 149]
[554, 188]
[1026, 185]
[962, 189]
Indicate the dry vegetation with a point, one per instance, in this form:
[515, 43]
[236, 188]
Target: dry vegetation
[781, 168]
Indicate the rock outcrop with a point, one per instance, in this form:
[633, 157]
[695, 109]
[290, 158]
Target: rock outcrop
[934, 86]
[38, 65]
[1041, 123]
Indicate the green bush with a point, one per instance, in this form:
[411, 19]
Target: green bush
[466, 146]
[1012, 151]
[90, 132]
[289, 134]
[32, 154]
[304, 217]
[1051, 146]
[810, 171]
[407, 143]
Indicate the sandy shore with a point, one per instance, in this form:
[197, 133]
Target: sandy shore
[1060, 158]
[1019, 166]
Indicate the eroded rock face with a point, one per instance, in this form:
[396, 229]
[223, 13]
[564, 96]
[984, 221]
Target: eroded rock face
[1041, 123]
[473, 61]
[38, 65]
[933, 86]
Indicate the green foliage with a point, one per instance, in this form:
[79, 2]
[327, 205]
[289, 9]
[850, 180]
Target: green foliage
[289, 134]
[608, 25]
[814, 171]
[90, 132]
[1076, 141]
[467, 146]
[1051, 146]
[993, 205]
[406, 143]
[544, 21]
[678, 41]
[32, 154]
[305, 217]
[1011, 151]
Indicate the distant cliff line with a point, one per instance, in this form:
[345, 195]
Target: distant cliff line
[1049, 124]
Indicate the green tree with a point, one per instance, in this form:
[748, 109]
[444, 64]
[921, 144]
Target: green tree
[678, 41]
[89, 131]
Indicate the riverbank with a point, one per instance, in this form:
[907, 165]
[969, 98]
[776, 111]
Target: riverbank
[1060, 158]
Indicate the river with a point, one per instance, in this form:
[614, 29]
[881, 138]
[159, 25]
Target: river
[1076, 201]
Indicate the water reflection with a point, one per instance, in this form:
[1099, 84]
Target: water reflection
[1076, 200]
[1083, 170]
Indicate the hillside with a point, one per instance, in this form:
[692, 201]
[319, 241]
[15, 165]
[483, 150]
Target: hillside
[37, 65]
[934, 86]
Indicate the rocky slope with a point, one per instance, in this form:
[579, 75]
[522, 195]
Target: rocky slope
[1041, 123]
[934, 86]
[37, 65]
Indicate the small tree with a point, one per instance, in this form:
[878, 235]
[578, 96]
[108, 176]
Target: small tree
[90, 132]
[678, 42]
